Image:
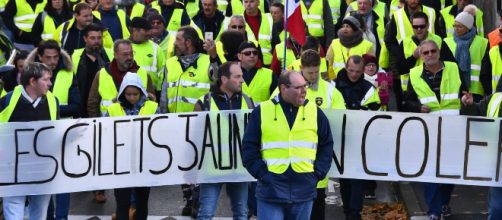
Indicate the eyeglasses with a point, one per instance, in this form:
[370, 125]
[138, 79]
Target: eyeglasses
[297, 87]
[237, 26]
[423, 26]
[248, 53]
[371, 65]
[426, 53]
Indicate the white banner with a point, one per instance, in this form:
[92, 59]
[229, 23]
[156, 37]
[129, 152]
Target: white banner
[88, 154]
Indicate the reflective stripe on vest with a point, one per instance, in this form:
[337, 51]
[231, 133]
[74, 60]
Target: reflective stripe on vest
[265, 37]
[122, 18]
[496, 61]
[313, 18]
[326, 96]
[16, 94]
[62, 85]
[175, 23]
[341, 54]
[149, 108]
[477, 51]
[335, 5]
[449, 90]
[494, 105]
[146, 56]
[49, 27]
[403, 24]
[281, 146]
[186, 87]
[108, 90]
[25, 15]
[259, 88]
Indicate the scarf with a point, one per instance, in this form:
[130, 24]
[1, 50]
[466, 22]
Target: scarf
[351, 40]
[187, 60]
[462, 53]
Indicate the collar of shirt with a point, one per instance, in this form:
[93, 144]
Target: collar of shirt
[35, 102]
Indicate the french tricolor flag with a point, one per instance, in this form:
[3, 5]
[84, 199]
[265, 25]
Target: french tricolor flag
[294, 21]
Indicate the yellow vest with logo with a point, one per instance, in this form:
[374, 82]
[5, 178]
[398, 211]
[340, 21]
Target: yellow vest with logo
[49, 26]
[449, 21]
[326, 96]
[494, 105]
[122, 18]
[283, 147]
[341, 54]
[496, 62]
[186, 87]
[477, 51]
[62, 84]
[107, 89]
[137, 10]
[449, 103]
[16, 94]
[150, 57]
[403, 24]
[409, 47]
[175, 23]
[313, 18]
[149, 108]
[25, 16]
[259, 88]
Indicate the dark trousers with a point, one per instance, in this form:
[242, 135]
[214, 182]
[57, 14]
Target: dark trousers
[319, 207]
[436, 196]
[352, 191]
[123, 199]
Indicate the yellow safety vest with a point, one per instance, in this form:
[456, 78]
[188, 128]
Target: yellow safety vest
[259, 88]
[265, 37]
[186, 87]
[326, 96]
[16, 94]
[403, 24]
[137, 10]
[283, 147]
[49, 26]
[175, 23]
[449, 21]
[25, 16]
[496, 62]
[149, 108]
[409, 47]
[449, 103]
[150, 57]
[237, 6]
[335, 6]
[279, 52]
[341, 54]
[62, 84]
[77, 54]
[494, 105]
[61, 34]
[122, 18]
[107, 89]
[477, 51]
[214, 108]
[313, 18]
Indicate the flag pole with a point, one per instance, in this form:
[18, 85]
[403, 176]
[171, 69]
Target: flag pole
[285, 34]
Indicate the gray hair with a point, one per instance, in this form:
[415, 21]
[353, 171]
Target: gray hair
[427, 42]
[285, 78]
[119, 42]
[33, 70]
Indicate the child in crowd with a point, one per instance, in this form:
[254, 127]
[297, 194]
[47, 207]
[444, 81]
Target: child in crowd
[381, 80]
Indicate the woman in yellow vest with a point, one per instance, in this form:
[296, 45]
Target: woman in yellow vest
[132, 99]
[55, 13]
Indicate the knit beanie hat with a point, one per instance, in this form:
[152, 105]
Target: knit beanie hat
[353, 22]
[367, 58]
[156, 17]
[466, 19]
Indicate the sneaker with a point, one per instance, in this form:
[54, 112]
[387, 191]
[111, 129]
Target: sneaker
[433, 217]
[446, 210]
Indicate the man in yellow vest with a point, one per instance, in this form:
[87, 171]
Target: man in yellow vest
[147, 54]
[30, 101]
[19, 17]
[427, 93]
[358, 94]
[495, 55]
[325, 96]
[174, 13]
[288, 148]
[64, 87]
[449, 13]
[226, 94]
[471, 53]
[69, 34]
[158, 33]
[209, 19]
[114, 20]
[259, 82]
[261, 25]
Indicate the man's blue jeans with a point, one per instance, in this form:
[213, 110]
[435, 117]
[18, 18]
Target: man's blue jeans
[209, 193]
[61, 208]
[13, 207]
[495, 203]
[286, 211]
[437, 195]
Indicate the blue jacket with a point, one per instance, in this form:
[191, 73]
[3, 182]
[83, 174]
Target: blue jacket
[289, 186]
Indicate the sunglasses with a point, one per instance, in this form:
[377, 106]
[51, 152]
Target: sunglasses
[237, 26]
[423, 26]
[248, 53]
[426, 53]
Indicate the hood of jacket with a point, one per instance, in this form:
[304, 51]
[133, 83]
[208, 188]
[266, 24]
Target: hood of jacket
[132, 79]
[64, 59]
